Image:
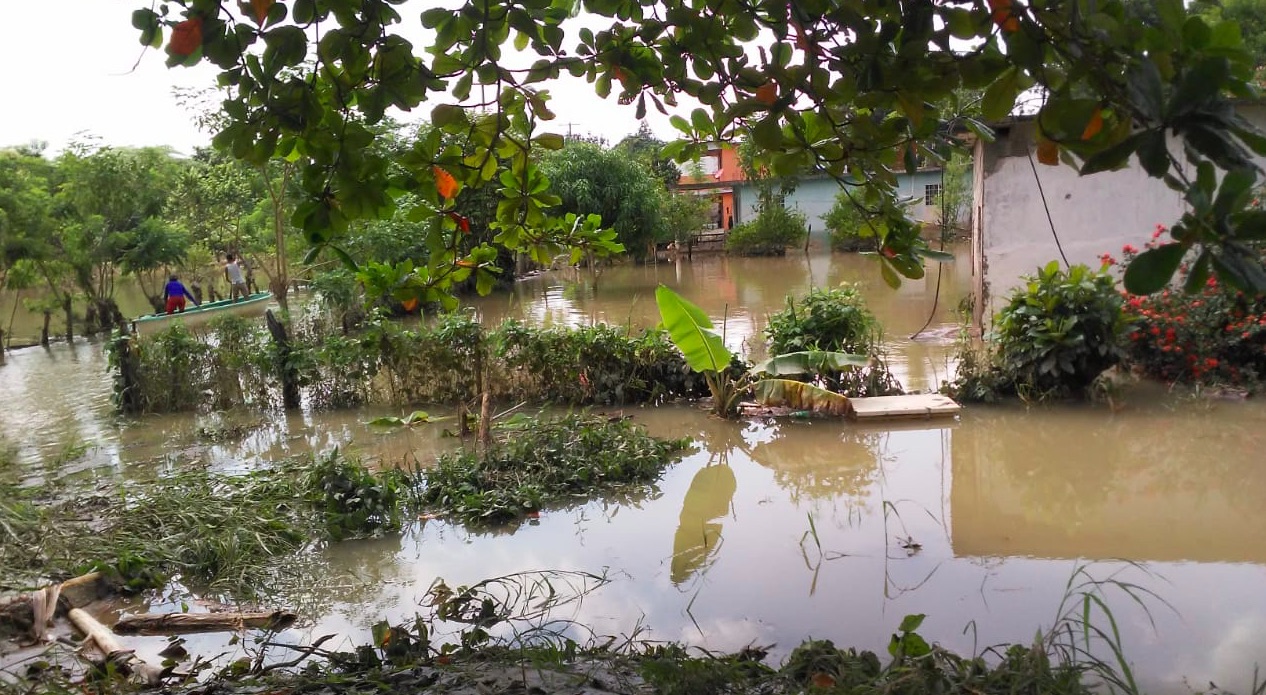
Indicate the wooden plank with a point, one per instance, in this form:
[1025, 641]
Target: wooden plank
[919, 405]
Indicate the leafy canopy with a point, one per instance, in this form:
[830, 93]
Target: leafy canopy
[855, 88]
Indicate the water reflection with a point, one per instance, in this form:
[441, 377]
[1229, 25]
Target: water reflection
[698, 533]
[1162, 485]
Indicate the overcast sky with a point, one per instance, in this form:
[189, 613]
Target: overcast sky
[75, 75]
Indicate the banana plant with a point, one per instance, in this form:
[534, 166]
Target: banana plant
[693, 334]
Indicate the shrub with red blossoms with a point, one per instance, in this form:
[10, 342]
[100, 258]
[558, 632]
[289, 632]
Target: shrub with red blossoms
[1216, 335]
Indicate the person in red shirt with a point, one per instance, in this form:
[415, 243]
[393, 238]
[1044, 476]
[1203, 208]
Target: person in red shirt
[175, 293]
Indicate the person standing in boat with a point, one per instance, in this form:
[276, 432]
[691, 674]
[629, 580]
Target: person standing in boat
[233, 273]
[175, 293]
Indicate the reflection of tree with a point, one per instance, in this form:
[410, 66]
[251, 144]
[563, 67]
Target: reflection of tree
[708, 499]
[808, 464]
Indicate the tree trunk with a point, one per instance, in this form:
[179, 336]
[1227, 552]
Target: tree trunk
[280, 289]
[48, 320]
[2, 346]
[69, 308]
[285, 365]
[129, 391]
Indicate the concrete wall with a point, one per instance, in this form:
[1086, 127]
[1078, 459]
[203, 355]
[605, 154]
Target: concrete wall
[1091, 215]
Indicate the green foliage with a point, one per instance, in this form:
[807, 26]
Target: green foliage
[684, 215]
[850, 227]
[593, 180]
[546, 463]
[353, 500]
[1054, 337]
[604, 365]
[825, 319]
[728, 378]
[771, 233]
[234, 363]
[1115, 87]
[834, 320]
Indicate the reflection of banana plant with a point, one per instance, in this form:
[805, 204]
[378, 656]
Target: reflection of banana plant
[692, 332]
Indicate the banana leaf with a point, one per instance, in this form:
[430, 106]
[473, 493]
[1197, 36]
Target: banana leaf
[809, 362]
[692, 332]
[798, 395]
[417, 417]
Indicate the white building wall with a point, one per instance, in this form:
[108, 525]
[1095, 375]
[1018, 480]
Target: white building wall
[1091, 215]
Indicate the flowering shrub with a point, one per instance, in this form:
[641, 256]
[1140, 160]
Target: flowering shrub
[1213, 335]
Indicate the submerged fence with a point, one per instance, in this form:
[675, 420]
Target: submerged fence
[232, 362]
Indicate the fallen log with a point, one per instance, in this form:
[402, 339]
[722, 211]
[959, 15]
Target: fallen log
[182, 623]
[109, 645]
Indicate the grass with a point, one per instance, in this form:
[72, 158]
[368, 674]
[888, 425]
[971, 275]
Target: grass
[545, 463]
[222, 533]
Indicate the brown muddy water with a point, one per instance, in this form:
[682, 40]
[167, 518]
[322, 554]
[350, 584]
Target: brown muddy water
[979, 522]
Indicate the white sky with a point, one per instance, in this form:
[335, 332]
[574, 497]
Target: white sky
[66, 68]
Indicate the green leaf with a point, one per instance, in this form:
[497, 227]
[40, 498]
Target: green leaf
[910, 623]
[1200, 271]
[692, 332]
[550, 141]
[1000, 97]
[809, 362]
[1113, 157]
[447, 114]
[1153, 269]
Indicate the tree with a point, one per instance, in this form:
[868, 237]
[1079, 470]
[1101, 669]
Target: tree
[1250, 15]
[644, 147]
[852, 88]
[955, 196]
[590, 179]
[111, 202]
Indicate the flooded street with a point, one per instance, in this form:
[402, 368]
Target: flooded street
[772, 532]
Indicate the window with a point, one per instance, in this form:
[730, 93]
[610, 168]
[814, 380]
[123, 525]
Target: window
[932, 194]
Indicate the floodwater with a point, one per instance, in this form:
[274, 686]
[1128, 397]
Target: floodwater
[771, 532]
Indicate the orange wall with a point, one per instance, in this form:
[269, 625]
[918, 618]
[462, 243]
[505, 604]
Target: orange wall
[729, 167]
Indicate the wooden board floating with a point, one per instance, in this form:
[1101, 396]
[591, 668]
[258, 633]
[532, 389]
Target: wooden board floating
[913, 406]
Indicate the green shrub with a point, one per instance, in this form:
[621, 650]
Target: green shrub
[597, 364]
[835, 320]
[825, 319]
[774, 230]
[1053, 338]
[848, 226]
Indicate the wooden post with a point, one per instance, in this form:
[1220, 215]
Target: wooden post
[285, 366]
[485, 415]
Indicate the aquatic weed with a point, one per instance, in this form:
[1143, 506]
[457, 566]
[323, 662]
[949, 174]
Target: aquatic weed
[547, 462]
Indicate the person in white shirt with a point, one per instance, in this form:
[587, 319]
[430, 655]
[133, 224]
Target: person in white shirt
[233, 273]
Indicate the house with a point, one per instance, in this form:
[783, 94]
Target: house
[718, 175]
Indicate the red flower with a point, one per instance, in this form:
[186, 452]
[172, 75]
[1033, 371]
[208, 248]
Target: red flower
[1128, 249]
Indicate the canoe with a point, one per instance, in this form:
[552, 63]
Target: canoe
[253, 305]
